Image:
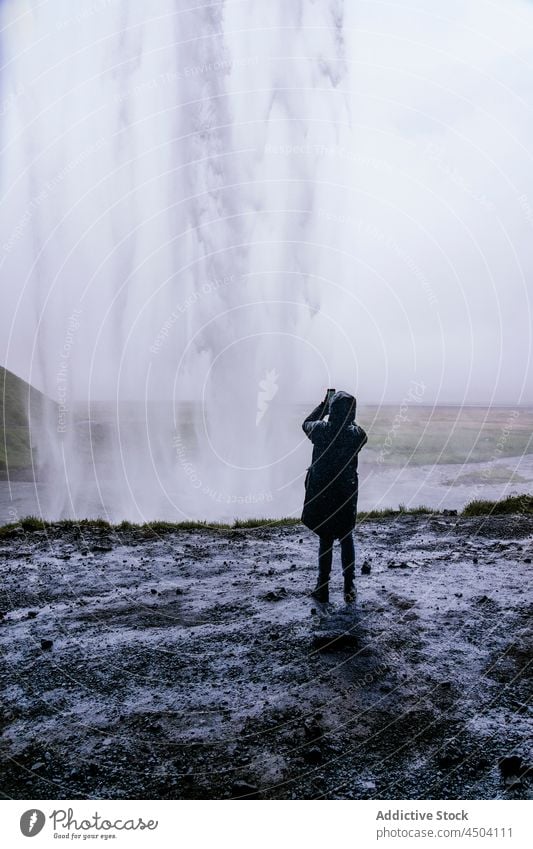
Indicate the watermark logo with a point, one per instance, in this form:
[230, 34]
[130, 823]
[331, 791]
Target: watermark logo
[32, 822]
[415, 394]
[268, 388]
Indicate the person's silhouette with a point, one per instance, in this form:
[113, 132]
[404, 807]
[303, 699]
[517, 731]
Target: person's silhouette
[331, 487]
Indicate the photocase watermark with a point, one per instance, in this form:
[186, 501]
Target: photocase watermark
[14, 516]
[212, 492]
[65, 819]
[268, 389]
[323, 151]
[435, 153]
[525, 205]
[363, 228]
[85, 13]
[207, 288]
[66, 825]
[503, 438]
[188, 72]
[9, 102]
[415, 394]
[32, 822]
[73, 325]
[36, 202]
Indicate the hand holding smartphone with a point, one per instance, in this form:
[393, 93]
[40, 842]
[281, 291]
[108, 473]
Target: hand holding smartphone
[329, 395]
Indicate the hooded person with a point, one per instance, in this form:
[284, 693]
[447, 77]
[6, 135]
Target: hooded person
[331, 487]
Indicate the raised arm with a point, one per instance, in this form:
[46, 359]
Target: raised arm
[363, 438]
[315, 416]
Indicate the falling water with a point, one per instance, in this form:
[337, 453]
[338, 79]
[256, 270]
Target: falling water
[166, 172]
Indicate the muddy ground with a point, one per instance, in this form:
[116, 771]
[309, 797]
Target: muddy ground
[192, 665]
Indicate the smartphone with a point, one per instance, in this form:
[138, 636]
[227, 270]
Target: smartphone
[329, 395]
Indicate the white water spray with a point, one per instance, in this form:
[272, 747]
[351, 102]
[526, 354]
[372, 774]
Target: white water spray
[167, 170]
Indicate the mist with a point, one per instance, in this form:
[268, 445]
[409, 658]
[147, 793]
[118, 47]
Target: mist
[239, 205]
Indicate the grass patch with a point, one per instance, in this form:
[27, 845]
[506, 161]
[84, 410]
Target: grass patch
[402, 510]
[156, 528]
[516, 504]
[286, 521]
[513, 504]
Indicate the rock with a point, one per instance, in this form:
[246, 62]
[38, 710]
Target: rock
[527, 559]
[312, 729]
[313, 755]
[331, 638]
[449, 512]
[179, 591]
[511, 766]
[92, 769]
[46, 645]
[392, 565]
[450, 756]
[32, 614]
[242, 788]
[37, 766]
[366, 568]
[277, 594]
[154, 592]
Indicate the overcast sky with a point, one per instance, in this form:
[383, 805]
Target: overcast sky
[443, 103]
[423, 242]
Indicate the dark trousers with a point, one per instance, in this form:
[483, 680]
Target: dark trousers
[325, 555]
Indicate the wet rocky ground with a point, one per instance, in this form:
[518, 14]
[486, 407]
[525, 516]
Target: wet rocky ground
[192, 665]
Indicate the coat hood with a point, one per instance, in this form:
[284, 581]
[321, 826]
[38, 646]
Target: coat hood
[342, 409]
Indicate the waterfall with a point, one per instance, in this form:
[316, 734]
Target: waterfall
[167, 175]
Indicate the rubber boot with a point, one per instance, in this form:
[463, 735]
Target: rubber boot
[350, 593]
[349, 586]
[321, 591]
[348, 568]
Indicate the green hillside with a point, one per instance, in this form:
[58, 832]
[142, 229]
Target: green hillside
[17, 399]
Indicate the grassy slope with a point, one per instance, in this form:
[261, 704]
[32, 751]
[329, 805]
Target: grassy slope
[17, 398]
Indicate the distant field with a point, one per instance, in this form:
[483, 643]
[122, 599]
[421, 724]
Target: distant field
[437, 435]
[435, 456]
[416, 436]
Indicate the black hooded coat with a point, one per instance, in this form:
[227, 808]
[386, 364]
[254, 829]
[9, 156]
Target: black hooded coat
[331, 484]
